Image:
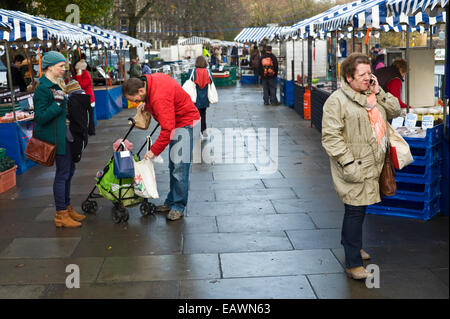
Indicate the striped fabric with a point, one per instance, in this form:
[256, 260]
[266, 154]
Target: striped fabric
[256, 35]
[411, 7]
[195, 40]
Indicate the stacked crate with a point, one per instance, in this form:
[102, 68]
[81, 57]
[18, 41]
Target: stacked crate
[418, 184]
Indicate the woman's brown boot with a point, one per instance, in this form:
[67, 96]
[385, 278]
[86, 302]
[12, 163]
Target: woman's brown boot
[74, 215]
[62, 219]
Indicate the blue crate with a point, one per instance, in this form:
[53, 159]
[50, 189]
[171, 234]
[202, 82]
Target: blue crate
[401, 208]
[419, 174]
[433, 137]
[249, 79]
[426, 156]
[418, 192]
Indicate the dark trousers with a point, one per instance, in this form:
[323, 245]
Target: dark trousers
[270, 90]
[65, 168]
[352, 234]
[91, 127]
[203, 121]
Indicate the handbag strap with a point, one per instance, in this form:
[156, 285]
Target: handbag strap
[192, 74]
[149, 143]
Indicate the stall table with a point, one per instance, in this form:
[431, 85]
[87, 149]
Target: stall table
[108, 101]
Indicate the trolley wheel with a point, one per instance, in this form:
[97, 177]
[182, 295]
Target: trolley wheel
[117, 218]
[147, 208]
[125, 216]
[94, 207]
[89, 206]
[85, 206]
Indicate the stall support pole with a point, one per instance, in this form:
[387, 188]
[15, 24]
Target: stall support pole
[447, 47]
[13, 96]
[333, 61]
[293, 59]
[353, 41]
[407, 73]
[310, 67]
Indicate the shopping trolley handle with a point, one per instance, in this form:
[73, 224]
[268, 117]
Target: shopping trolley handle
[133, 122]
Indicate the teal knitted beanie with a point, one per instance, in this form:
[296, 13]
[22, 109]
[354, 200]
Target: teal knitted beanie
[51, 58]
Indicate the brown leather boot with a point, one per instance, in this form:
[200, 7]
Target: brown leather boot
[364, 255]
[358, 273]
[62, 219]
[74, 215]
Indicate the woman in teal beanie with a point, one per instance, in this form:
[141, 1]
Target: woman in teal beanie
[50, 126]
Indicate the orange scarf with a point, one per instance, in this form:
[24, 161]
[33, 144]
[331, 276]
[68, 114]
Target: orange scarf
[376, 119]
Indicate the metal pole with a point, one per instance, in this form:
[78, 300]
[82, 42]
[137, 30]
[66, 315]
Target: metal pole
[293, 59]
[309, 62]
[445, 97]
[407, 73]
[333, 61]
[353, 40]
[13, 97]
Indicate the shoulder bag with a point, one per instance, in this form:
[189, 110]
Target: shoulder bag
[190, 87]
[41, 152]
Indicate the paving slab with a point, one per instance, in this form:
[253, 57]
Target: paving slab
[22, 292]
[255, 194]
[155, 268]
[40, 248]
[229, 207]
[235, 242]
[315, 238]
[285, 287]
[275, 222]
[279, 263]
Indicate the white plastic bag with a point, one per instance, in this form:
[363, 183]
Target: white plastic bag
[145, 178]
[401, 147]
[213, 97]
[190, 87]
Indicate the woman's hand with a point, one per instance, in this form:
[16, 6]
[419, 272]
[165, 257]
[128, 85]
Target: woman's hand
[374, 86]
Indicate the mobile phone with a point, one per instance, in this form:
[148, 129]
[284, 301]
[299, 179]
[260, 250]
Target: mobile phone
[371, 81]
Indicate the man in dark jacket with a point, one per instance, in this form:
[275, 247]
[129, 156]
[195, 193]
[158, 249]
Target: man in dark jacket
[16, 73]
[268, 70]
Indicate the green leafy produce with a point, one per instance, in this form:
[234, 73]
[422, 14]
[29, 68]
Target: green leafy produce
[6, 163]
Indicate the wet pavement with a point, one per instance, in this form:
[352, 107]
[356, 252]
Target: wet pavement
[245, 234]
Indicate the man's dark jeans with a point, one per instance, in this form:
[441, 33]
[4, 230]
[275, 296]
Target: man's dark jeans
[270, 90]
[352, 234]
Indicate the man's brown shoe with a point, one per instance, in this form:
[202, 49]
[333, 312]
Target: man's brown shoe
[364, 255]
[358, 273]
[74, 215]
[162, 209]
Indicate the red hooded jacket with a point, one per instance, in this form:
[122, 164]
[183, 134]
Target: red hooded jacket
[85, 81]
[170, 106]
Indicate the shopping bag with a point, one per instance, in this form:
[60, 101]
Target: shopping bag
[142, 118]
[388, 186]
[112, 188]
[400, 151]
[123, 163]
[190, 87]
[145, 178]
[213, 97]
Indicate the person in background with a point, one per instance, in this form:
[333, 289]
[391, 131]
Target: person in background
[88, 67]
[255, 56]
[83, 77]
[135, 69]
[354, 135]
[172, 107]
[268, 70]
[202, 78]
[234, 55]
[391, 78]
[378, 61]
[51, 126]
[146, 69]
[16, 74]
[206, 52]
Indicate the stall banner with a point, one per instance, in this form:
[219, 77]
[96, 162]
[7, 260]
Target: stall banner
[14, 138]
[108, 102]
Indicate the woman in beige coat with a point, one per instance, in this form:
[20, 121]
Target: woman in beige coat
[355, 137]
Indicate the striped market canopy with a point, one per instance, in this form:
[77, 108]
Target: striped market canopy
[195, 40]
[26, 27]
[120, 40]
[411, 7]
[258, 34]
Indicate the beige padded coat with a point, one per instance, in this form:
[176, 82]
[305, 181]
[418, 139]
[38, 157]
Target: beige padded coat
[348, 136]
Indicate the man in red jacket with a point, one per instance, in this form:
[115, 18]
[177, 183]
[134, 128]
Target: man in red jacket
[172, 107]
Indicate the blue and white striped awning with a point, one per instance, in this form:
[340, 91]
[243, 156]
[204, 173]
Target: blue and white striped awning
[26, 27]
[120, 40]
[258, 34]
[411, 7]
[195, 40]
[5, 26]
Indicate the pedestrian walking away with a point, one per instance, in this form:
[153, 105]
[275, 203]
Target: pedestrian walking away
[173, 108]
[52, 127]
[268, 70]
[255, 56]
[202, 79]
[355, 137]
